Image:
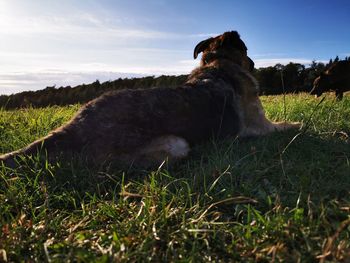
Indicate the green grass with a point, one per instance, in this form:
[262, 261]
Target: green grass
[283, 197]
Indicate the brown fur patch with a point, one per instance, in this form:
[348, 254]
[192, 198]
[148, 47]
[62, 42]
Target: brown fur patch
[336, 78]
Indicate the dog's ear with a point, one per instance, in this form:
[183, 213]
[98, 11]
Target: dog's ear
[201, 46]
[232, 39]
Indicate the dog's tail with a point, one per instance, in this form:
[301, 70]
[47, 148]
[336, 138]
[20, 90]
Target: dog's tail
[52, 145]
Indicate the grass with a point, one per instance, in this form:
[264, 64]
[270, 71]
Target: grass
[283, 197]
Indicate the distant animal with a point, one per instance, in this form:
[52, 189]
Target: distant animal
[146, 126]
[336, 78]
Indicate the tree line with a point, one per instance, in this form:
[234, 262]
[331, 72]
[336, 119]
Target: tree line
[290, 78]
[83, 93]
[277, 79]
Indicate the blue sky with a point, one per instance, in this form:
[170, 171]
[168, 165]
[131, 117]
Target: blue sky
[69, 42]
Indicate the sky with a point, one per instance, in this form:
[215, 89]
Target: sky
[70, 42]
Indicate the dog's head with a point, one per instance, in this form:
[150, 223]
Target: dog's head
[226, 46]
[321, 84]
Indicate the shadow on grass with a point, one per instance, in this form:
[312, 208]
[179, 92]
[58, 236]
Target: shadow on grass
[227, 198]
[315, 165]
[312, 166]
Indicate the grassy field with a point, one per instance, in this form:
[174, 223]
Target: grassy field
[283, 197]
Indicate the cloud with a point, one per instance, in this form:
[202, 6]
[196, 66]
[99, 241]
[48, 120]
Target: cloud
[81, 24]
[17, 82]
[204, 35]
[14, 82]
[269, 55]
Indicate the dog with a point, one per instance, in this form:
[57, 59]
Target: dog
[336, 78]
[146, 126]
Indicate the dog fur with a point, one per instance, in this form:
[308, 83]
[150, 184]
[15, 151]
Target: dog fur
[336, 78]
[220, 99]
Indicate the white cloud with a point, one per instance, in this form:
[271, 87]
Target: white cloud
[78, 25]
[269, 55]
[18, 82]
[80, 46]
[83, 41]
[15, 82]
